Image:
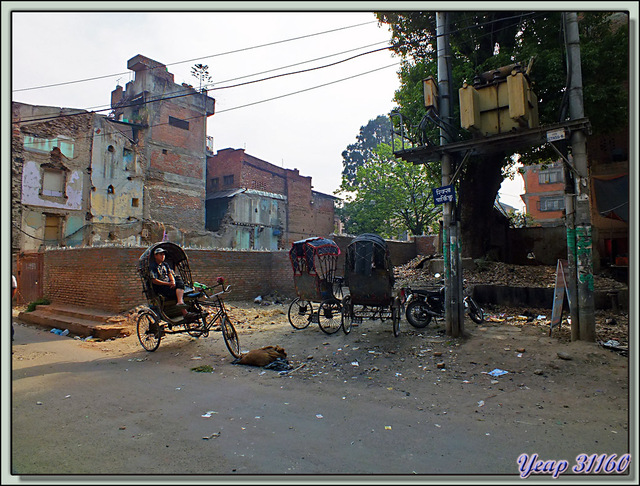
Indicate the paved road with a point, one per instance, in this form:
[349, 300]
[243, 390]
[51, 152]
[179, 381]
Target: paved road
[77, 410]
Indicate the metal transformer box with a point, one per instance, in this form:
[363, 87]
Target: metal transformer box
[499, 106]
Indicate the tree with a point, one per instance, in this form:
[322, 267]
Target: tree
[201, 73]
[391, 196]
[375, 132]
[481, 42]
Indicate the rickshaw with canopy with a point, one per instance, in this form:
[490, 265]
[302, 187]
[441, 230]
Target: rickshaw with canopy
[318, 288]
[204, 304]
[368, 275]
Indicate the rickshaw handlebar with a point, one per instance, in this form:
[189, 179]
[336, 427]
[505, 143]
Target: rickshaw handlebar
[204, 287]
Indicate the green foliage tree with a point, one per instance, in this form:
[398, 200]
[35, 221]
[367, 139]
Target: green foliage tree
[483, 41]
[391, 196]
[375, 132]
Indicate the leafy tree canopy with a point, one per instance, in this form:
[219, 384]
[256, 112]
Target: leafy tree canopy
[391, 196]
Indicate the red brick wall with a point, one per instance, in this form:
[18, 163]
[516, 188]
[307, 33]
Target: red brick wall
[427, 245]
[107, 278]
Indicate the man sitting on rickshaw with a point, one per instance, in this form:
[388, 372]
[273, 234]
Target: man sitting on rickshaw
[166, 283]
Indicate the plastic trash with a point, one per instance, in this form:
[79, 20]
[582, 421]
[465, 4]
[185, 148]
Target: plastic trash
[498, 372]
[65, 332]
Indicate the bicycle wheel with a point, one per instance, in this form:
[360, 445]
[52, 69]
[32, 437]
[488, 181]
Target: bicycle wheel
[475, 311]
[395, 316]
[347, 314]
[300, 313]
[417, 314]
[149, 333]
[330, 316]
[230, 337]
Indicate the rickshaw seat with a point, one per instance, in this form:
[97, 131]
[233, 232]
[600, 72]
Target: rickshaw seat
[191, 293]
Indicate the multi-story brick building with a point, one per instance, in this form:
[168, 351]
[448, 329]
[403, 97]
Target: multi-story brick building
[254, 204]
[170, 123]
[140, 175]
[544, 193]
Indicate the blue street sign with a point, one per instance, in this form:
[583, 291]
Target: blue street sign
[444, 194]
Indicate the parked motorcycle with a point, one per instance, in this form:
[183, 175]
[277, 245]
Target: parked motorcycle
[423, 305]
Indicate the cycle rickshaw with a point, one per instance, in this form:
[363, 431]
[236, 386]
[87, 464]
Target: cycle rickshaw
[319, 290]
[368, 274]
[163, 317]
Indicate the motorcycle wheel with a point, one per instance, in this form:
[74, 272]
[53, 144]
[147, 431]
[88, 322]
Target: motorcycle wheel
[475, 312]
[417, 314]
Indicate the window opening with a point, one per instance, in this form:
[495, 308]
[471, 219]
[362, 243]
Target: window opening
[53, 182]
[52, 227]
[178, 123]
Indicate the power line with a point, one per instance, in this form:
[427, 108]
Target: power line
[191, 93]
[199, 58]
[219, 111]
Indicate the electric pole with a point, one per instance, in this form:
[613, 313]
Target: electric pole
[450, 235]
[586, 330]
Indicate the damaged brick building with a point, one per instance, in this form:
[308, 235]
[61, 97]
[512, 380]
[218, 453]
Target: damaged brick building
[142, 173]
[253, 204]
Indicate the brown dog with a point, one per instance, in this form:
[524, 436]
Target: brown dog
[262, 356]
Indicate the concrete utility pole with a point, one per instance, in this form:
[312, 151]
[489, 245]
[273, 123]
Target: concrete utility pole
[450, 238]
[585, 329]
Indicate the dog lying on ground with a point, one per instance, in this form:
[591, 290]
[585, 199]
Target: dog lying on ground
[262, 356]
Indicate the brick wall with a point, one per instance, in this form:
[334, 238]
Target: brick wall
[427, 245]
[107, 278]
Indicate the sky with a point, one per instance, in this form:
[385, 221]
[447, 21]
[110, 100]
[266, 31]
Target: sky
[301, 121]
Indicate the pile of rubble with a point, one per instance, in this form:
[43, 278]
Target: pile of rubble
[416, 272]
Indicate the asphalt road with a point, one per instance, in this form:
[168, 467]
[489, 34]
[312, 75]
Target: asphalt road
[79, 410]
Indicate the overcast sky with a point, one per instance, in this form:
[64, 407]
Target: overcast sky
[303, 127]
[301, 121]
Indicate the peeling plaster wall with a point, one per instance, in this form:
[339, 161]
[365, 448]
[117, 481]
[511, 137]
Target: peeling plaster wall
[117, 182]
[32, 182]
[50, 159]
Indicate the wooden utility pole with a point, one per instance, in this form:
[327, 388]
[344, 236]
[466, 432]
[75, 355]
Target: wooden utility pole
[581, 237]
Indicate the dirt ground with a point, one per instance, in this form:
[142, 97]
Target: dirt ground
[558, 397]
[516, 340]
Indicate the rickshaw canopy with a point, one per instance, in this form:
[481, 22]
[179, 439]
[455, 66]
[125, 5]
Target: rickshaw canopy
[310, 255]
[366, 252]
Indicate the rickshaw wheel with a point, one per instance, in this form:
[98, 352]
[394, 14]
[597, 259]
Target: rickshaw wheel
[149, 332]
[230, 337]
[395, 316]
[300, 313]
[330, 316]
[347, 315]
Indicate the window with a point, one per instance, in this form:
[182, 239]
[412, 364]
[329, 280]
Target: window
[134, 202]
[215, 183]
[53, 182]
[52, 227]
[228, 180]
[552, 203]
[550, 176]
[177, 122]
[127, 159]
[46, 145]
